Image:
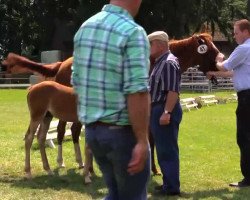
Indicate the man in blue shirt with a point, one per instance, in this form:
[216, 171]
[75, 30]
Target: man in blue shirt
[239, 63]
[110, 78]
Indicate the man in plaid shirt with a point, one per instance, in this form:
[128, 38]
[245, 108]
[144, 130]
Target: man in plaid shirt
[110, 78]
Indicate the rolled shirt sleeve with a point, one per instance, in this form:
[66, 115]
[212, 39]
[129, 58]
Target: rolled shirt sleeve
[136, 62]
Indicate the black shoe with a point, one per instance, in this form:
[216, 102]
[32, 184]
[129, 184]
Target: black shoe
[240, 184]
[173, 193]
[162, 192]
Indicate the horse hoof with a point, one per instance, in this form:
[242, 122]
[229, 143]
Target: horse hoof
[61, 165]
[81, 166]
[50, 173]
[87, 173]
[92, 173]
[87, 180]
[28, 176]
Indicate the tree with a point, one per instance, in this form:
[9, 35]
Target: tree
[11, 24]
[168, 15]
[248, 8]
[181, 18]
[31, 26]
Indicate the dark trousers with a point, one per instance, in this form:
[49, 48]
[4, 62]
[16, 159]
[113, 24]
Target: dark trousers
[166, 142]
[243, 132]
[112, 148]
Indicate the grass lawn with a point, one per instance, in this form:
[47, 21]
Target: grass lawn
[209, 156]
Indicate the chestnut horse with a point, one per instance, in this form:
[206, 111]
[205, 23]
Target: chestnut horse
[195, 50]
[61, 73]
[42, 98]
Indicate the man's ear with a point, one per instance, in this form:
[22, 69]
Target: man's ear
[246, 32]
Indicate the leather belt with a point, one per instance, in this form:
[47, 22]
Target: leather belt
[99, 123]
[157, 103]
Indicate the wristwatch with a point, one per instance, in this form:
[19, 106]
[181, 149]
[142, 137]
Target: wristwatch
[167, 112]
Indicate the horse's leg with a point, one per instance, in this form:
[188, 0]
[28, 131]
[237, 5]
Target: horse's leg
[152, 145]
[90, 155]
[41, 136]
[76, 131]
[60, 135]
[29, 136]
[88, 169]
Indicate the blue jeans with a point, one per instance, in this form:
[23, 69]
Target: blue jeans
[166, 142]
[112, 148]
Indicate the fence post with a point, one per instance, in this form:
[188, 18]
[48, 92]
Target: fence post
[46, 57]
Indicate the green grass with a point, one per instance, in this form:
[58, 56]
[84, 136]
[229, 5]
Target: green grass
[209, 156]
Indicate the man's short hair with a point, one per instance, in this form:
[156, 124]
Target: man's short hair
[243, 24]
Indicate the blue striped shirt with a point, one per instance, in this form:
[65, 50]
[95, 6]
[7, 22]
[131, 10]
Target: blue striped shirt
[111, 61]
[165, 77]
[239, 62]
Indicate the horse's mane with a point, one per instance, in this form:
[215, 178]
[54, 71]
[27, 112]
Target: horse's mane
[182, 43]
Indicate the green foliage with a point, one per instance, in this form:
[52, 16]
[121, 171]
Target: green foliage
[29, 26]
[182, 18]
[248, 8]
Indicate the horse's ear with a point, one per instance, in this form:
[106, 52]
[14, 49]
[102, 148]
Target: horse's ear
[200, 40]
[195, 36]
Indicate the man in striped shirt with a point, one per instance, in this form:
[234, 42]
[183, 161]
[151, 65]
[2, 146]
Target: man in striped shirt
[110, 78]
[166, 112]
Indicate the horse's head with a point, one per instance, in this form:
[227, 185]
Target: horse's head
[11, 64]
[198, 49]
[16, 64]
[205, 52]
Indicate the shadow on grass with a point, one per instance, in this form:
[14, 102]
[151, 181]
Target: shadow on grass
[223, 193]
[71, 180]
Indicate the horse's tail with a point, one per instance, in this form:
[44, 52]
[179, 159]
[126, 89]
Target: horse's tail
[47, 70]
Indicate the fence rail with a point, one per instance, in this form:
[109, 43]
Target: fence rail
[14, 81]
[195, 80]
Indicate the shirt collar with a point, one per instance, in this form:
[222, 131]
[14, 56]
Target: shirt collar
[162, 56]
[116, 10]
[247, 40]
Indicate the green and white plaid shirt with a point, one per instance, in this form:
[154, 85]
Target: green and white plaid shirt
[111, 60]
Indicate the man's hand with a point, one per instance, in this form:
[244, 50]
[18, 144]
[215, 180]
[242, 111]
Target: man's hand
[210, 74]
[165, 119]
[139, 157]
[220, 57]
